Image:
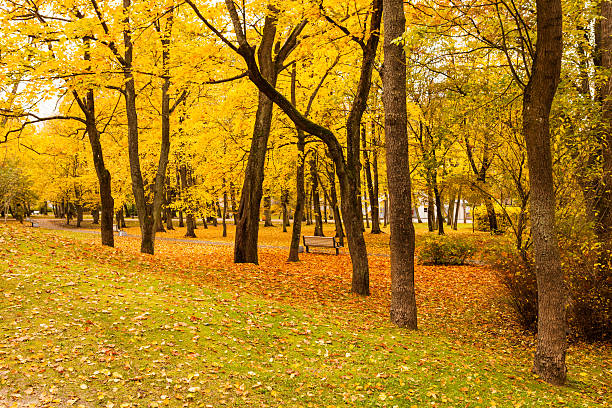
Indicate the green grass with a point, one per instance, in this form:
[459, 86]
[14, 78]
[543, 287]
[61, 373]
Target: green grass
[88, 326]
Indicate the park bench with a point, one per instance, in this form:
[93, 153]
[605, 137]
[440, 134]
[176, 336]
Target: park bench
[120, 232]
[32, 222]
[321, 242]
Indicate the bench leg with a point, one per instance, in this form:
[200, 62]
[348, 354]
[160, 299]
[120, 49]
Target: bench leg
[307, 249]
[337, 251]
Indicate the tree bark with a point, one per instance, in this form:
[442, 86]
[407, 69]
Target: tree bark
[190, 218]
[107, 203]
[267, 210]
[95, 214]
[374, 196]
[224, 214]
[549, 361]
[451, 209]
[247, 229]
[316, 202]
[145, 210]
[298, 215]
[402, 240]
[431, 217]
[458, 202]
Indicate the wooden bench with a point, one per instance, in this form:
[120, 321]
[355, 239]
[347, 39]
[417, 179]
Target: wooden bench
[322, 242]
[32, 222]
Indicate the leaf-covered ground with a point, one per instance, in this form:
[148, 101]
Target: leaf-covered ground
[84, 325]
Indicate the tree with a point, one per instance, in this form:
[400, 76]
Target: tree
[347, 169]
[403, 303]
[549, 362]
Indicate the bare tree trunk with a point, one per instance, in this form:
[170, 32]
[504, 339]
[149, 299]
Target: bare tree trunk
[96, 216]
[386, 219]
[190, 218]
[107, 204]
[416, 209]
[457, 209]
[224, 214]
[451, 209]
[439, 216]
[233, 200]
[284, 203]
[145, 210]
[549, 361]
[267, 209]
[300, 193]
[316, 202]
[403, 310]
[431, 217]
[374, 196]
[181, 221]
[347, 169]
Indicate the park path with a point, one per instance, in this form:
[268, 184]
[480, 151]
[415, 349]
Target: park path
[56, 224]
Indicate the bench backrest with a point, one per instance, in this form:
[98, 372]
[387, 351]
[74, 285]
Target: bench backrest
[320, 241]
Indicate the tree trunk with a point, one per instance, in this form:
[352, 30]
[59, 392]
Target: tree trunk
[431, 217]
[190, 222]
[145, 210]
[403, 310]
[596, 180]
[107, 204]
[309, 209]
[247, 229]
[451, 209]
[168, 215]
[324, 205]
[190, 218]
[267, 210]
[96, 216]
[224, 214]
[333, 201]
[374, 196]
[386, 218]
[160, 176]
[284, 202]
[233, 200]
[181, 221]
[549, 361]
[347, 169]
[439, 216]
[457, 209]
[416, 209]
[79, 214]
[300, 193]
[316, 202]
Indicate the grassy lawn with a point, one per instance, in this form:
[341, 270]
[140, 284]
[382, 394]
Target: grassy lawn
[89, 326]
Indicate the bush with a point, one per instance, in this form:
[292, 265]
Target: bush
[520, 280]
[589, 291]
[444, 250]
[481, 218]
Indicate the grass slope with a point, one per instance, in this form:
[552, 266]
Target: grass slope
[89, 326]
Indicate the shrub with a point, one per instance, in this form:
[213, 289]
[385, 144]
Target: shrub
[481, 218]
[519, 278]
[589, 291]
[445, 250]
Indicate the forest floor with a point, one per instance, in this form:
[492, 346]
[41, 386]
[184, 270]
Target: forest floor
[85, 325]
